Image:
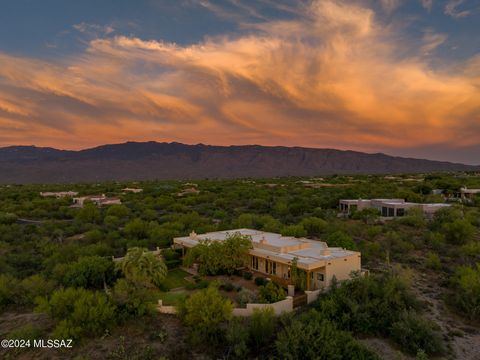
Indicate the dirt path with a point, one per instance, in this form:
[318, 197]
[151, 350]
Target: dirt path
[464, 339]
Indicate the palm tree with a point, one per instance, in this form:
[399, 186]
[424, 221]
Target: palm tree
[140, 265]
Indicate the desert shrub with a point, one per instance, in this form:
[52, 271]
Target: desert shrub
[132, 300]
[311, 336]
[262, 325]
[191, 286]
[368, 216]
[172, 264]
[271, 293]
[247, 275]
[314, 226]
[78, 312]
[237, 337]
[260, 281]
[245, 296]
[8, 218]
[8, 290]
[398, 243]
[369, 305]
[414, 218]
[170, 254]
[458, 232]
[228, 287]
[294, 230]
[340, 239]
[472, 248]
[32, 287]
[203, 284]
[26, 332]
[436, 240]
[433, 261]
[203, 313]
[465, 284]
[415, 333]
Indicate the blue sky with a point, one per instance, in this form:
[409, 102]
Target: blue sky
[48, 28]
[395, 76]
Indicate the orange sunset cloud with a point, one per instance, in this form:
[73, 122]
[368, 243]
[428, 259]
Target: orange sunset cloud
[333, 76]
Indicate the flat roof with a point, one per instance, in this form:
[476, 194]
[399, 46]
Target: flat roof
[267, 244]
[399, 202]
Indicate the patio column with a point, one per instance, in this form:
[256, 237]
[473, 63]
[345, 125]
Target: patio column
[308, 280]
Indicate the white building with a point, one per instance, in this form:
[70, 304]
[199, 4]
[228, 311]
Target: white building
[469, 194]
[389, 207]
[132, 190]
[59, 194]
[272, 255]
[99, 200]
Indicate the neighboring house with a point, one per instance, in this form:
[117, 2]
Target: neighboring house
[188, 191]
[99, 200]
[132, 190]
[272, 255]
[59, 194]
[468, 195]
[389, 207]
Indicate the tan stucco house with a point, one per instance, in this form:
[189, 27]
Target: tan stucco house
[272, 255]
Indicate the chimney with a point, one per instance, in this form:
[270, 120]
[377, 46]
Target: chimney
[263, 240]
[193, 235]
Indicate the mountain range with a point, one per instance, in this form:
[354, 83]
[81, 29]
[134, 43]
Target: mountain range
[154, 160]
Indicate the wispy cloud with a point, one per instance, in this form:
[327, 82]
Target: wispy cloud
[452, 9]
[332, 76]
[427, 4]
[431, 41]
[389, 6]
[94, 29]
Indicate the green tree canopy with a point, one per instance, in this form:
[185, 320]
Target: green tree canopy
[204, 312]
[217, 257]
[140, 266]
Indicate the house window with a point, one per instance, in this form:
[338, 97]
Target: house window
[391, 212]
[320, 277]
[400, 212]
[270, 267]
[255, 262]
[384, 211]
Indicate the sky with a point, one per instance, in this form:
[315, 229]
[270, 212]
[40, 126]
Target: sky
[400, 77]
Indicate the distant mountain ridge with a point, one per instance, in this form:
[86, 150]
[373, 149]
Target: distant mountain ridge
[154, 160]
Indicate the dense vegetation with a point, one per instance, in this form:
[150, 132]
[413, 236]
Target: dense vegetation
[57, 260]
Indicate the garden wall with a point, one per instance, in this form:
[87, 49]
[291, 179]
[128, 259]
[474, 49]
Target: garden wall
[165, 309]
[278, 307]
[312, 295]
